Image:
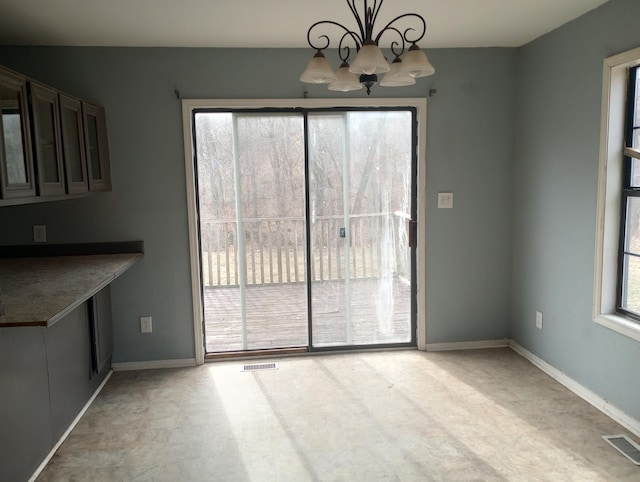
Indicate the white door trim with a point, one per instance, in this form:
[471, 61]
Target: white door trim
[188, 105]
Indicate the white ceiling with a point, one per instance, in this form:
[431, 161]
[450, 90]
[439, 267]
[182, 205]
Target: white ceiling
[270, 23]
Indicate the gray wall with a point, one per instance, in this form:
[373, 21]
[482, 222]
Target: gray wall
[555, 176]
[470, 132]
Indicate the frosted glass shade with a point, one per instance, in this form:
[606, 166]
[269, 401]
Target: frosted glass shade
[370, 60]
[318, 71]
[416, 64]
[345, 80]
[395, 77]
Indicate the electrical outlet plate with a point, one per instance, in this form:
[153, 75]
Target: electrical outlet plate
[39, 233]
[539, 320]
[146, 325]
[445, 200]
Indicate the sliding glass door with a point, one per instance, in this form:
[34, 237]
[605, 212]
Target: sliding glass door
[305, 222]
[360, 185]
[251, 197]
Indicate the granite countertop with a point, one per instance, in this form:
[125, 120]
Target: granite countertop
[38, 291]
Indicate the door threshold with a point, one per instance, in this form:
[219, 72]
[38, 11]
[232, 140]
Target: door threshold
[256, 353]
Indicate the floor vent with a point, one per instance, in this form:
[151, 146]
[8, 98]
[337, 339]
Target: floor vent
[259, 366]
[625, 446]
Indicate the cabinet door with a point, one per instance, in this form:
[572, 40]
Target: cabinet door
[25, 422]
[45, 109]
[73, 151]
[97, 147]
[16, 162]
[102, 331]
[69, 364]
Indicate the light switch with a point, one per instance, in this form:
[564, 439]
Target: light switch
[445, 200]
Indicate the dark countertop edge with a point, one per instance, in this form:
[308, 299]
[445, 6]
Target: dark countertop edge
[28, 324]
[61, 314]
[77, 249]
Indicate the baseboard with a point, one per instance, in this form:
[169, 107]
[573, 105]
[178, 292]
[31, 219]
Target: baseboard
[153, 364]
[627, 421]
[64, 436]
[468, 345]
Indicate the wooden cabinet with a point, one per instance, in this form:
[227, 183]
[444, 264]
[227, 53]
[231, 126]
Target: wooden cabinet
[52, 145]
[45, 111]
[73, 145]
[97, 145]
[16, 163]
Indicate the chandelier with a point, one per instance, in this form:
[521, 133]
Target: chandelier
[407, 65]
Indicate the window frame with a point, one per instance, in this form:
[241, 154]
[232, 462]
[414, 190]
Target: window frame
[628, 191]
[610, 183]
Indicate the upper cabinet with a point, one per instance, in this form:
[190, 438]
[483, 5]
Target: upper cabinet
[16, 162]
[52, 146]
[45, 110]
[97, 143]
[73, 145]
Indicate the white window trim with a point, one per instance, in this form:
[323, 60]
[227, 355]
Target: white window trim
[188, 105]
[614, 88]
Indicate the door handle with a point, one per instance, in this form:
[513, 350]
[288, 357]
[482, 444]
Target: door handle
[411, 230]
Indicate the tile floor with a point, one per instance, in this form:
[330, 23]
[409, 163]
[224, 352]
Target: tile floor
[403, 415]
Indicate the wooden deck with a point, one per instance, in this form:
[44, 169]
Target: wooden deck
[277, 315]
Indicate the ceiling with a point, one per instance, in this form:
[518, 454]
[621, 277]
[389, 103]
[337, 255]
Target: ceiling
[270, 23]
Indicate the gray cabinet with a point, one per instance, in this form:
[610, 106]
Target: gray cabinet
[52, 145]
[16, 163]
[97, 145]
[69, 362]
[99, 312]
[47, 375]
[73, 145]
[45, 111]
[25, 423]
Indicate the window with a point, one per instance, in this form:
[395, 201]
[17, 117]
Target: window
[629, 251]
[616, 301]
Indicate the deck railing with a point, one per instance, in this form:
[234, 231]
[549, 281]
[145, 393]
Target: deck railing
[275, 249]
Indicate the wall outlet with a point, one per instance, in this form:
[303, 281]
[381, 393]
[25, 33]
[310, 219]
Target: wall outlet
[538, 320]
[39, 233]
[146, 325]
[445, 200]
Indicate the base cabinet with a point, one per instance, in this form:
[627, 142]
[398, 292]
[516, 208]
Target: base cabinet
[69, 362]
[25, 419]
[47, 375]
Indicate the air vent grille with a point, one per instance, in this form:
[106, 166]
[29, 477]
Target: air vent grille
[625, 446]
[259, 366]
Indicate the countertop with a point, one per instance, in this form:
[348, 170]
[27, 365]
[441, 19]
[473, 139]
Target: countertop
[38, 291]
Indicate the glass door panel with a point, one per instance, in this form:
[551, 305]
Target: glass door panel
[16, 163]
[360, 182]
[330, 282]
[251, 196]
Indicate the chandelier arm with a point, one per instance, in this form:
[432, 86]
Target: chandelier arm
[399, 17]
[354, 11]
[345, 48]
[348, 32]
[395, 43]
[345, 57]
[374, 15]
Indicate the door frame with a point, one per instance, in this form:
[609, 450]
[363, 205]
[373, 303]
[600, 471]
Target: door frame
[189, 105]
